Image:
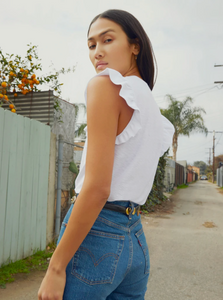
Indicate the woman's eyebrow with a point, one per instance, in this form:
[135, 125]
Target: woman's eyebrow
[103, 33]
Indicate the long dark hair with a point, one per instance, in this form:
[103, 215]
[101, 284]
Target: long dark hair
[146, 61]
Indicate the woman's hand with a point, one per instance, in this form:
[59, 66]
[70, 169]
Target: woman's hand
[52, 286]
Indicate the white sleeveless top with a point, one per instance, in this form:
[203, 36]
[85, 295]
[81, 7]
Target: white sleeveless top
[138, 147]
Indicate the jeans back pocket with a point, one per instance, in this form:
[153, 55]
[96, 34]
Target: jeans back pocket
[143, 245]
[96, 260]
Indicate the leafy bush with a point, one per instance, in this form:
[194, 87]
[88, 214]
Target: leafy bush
[156, 195]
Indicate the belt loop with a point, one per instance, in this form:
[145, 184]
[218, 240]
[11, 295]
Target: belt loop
[132, 210]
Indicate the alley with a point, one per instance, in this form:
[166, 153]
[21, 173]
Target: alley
[186, 246]
[186, 250]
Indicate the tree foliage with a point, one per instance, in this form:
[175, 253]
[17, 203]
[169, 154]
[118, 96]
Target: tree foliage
[185, 119]
[19, 75]
[156, 195]
[202, 165]
[80, 127]
[217, 160]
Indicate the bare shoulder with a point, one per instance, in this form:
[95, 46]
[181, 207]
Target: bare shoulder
[102, 86]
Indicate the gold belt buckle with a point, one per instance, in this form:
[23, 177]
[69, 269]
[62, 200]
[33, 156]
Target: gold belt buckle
[128, 211]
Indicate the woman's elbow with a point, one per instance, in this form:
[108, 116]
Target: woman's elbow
[98, 190]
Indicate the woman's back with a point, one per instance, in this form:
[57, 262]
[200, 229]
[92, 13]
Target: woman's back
[139, 146]
[102, 253]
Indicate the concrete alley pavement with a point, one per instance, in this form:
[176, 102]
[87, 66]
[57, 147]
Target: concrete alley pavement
[186, 257]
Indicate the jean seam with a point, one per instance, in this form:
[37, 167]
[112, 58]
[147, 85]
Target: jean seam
[130, 255]
[113, 266]
[135, 224]
[112, 224]
[144, 249]
[106, 234]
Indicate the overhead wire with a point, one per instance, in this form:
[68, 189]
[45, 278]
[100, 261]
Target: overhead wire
[218, 140]
[187, 89]
[191, 148]
[194, 94]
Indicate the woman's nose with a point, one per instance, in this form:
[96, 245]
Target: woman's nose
[99, 52]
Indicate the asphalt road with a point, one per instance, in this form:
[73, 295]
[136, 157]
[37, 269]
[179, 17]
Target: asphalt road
[186, 257]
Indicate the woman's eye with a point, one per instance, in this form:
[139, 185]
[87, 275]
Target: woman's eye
[108, 40]
[91, 46]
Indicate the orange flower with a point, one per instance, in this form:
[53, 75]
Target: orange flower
[37, 82]
[6, 98]
[26, 71]
[33, 76]
[13, 110]
[11, 74]
[1, 96]
[11, 106]
[21, 70]
[15, 95]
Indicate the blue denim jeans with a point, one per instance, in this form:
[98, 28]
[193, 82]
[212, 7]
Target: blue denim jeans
[112, 263]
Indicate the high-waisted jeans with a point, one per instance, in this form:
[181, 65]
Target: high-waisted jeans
[112, 263]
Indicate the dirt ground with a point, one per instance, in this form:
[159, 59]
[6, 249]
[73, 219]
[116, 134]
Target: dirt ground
[24, 287]
[166, 207]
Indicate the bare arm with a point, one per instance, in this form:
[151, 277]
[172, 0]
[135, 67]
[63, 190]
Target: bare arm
[103, 110]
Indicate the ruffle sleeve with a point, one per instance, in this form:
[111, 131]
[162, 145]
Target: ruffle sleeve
[127, 94]
[168, 131]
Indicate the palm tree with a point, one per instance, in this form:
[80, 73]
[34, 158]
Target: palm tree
[79, 127]
[185, 119]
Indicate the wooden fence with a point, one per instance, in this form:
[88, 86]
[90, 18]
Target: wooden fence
[24, 167]
[179, 174]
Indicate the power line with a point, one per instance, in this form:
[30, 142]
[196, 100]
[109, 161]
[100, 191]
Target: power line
[219, 139]
[203, 91]
[180, 92]
[195, 147]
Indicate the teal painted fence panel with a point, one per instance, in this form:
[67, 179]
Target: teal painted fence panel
[24, 167]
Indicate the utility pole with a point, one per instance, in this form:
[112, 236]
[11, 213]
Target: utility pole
[213, 155]
[209, 156]
[214, 130]
[218, 66]
[213, 167]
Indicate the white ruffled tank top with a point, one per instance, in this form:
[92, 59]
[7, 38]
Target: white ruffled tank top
[138, 147]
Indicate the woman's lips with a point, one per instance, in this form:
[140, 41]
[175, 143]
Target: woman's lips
[101, 65]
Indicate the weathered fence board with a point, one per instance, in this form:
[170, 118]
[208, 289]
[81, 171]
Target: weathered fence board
[24, 167]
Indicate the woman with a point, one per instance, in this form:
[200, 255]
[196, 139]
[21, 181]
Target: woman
[102, 253]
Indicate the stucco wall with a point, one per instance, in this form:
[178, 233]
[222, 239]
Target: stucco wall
[67, 129]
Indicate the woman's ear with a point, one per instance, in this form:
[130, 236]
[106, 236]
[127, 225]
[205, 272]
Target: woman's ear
[136, 47]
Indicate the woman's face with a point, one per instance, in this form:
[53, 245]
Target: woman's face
[109, 47]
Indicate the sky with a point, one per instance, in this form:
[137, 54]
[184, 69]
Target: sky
[187, 37]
